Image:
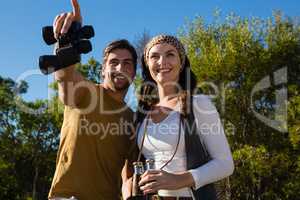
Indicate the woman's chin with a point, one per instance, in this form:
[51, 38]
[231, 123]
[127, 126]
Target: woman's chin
[166, 80]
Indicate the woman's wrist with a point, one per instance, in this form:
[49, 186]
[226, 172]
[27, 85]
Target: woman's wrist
[185, 179]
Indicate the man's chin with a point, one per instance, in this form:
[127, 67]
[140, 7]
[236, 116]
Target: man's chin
[121, 87]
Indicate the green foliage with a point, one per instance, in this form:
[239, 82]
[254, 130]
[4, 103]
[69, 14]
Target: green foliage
[264, 173]
[29, 137]
[234, 56]
[294, 116]
[91, 70]
[137, 82]
[28, 144]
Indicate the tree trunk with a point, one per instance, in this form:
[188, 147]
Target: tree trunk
[35, 179]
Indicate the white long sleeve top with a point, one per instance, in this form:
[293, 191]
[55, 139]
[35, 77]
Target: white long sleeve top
[162, 137]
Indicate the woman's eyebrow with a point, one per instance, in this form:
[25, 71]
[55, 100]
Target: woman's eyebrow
[169, 51]
[155, 53]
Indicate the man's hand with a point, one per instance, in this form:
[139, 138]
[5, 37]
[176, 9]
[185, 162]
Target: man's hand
[126, 175]
[126, 188]
[63, 22]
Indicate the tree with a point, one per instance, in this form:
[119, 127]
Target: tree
[91, 70]
[8, 115]
[245, 63]
[29, 143]
[140, 42]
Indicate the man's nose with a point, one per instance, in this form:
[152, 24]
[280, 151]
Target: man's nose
[120, 67]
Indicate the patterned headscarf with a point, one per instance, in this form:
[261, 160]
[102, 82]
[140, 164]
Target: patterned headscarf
[171, 40]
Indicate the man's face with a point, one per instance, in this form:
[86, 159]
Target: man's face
[118, 70]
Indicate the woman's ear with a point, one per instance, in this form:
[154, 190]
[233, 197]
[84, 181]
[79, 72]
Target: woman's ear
[144, 64]
[181, 68]
[185, 63]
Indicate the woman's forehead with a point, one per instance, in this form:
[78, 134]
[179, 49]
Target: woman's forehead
[162, 47]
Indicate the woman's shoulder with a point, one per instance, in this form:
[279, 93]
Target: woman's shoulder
[203, 103]
[201, 97]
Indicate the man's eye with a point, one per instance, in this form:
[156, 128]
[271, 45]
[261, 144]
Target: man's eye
[127, 63]
[114, 63]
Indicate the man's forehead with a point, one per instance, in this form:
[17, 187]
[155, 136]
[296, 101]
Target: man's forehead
[120, 54]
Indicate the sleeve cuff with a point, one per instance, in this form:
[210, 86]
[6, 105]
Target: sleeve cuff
[196, 179]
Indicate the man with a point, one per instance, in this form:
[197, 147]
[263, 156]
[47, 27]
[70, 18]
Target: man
[95, 137]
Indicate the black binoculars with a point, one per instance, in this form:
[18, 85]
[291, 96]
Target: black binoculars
[139, 169]
[70, 46]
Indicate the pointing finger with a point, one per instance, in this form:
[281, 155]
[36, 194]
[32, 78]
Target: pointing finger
[76, 10]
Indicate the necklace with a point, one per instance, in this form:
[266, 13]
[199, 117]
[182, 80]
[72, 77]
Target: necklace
[145, 134]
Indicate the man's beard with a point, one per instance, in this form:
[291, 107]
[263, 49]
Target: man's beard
[114, 85]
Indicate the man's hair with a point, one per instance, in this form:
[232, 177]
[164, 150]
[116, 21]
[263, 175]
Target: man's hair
[120, 44]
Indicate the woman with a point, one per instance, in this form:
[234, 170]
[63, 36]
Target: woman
[177, 129]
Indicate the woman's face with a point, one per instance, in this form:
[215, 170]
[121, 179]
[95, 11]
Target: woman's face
[164, 64]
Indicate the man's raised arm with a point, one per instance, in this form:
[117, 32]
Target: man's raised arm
[68, 77]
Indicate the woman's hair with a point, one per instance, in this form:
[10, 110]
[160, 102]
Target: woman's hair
[148, 94]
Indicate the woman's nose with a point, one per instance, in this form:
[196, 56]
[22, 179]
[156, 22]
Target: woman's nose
[162, 60]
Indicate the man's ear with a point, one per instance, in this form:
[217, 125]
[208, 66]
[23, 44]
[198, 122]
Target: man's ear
[102, 72]
[134, 75]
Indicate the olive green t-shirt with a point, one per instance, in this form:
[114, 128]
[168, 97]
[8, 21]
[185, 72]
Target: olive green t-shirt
[96, 139]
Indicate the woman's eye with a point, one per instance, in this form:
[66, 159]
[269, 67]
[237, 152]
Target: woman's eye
[154, 56]
[170, 54]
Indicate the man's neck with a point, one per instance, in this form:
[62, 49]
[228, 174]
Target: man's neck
[116, 95]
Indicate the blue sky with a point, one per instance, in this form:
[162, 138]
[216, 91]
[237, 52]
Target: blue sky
[22, 20]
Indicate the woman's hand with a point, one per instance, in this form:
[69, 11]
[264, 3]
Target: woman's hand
[154, 180]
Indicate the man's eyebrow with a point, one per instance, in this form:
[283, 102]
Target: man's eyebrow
[128, 59]
[170, 51]
[118, 60]
[113, 59]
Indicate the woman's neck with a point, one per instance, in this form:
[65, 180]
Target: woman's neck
[166, 93]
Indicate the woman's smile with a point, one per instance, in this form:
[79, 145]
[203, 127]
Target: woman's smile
[163, 70]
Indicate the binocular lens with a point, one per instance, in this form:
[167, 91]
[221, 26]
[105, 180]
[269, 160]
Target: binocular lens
[48, 35]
